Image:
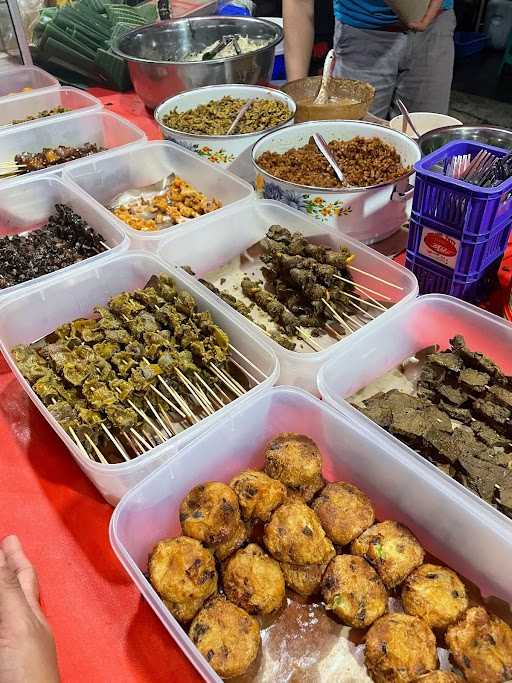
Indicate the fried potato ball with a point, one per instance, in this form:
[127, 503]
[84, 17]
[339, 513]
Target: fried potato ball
[353, 590]
[392, 549]
[234, 542]
[183, 574]
[226, 636]
[254, 581]
[295, 460]
[304, 579]
[439, 677]
[258, 494]
[344, 512]
[481, 646]
[295, 535]
[399, 649]
[436, 594]
[210, 513]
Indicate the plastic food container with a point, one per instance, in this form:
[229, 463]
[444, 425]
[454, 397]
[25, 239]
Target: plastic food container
[26, 205]
[23, 79]
[219, 149]
[18, 107]
[431, 319]
[35, 313]
[102, 178]
[448, 525]
[103, 128]
[369, 214]
[239, 227]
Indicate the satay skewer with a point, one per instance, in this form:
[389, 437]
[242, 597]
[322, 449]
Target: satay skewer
[363, 287]
[375, 277]
[97, 450]
[79, 444]
[364, 301]
[116, 443]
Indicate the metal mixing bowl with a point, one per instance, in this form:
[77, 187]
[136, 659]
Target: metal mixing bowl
[489, 135]
[155, 55]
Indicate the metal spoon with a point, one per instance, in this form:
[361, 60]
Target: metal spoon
[324, 149]
[405, 114]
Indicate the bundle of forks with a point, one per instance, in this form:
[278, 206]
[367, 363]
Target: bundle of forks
[485, 169]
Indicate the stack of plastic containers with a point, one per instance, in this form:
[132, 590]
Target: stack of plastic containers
[23, 79]
[458, 231]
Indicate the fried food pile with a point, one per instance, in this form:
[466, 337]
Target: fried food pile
[284, 527]
[461, 420]
[133, 368]
[179, 202]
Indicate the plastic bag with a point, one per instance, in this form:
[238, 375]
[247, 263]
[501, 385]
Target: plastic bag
[236, 8]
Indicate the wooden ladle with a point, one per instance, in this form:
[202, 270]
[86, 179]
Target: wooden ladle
[323, 93]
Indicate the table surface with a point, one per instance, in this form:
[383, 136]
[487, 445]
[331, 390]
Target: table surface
[104, 630]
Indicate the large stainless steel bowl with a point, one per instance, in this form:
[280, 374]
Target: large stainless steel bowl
[488, 135]
[155, 55]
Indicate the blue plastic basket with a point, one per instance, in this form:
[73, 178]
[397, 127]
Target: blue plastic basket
[469, 43]
[470, 209]
[435, 278]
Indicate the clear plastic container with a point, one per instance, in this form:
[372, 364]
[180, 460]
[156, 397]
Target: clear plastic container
[18, 107]
[104, 178]
[448, 525]
[26, 205]
[22, 79]
[430, 319]
[33, 314]
[103, 128]
[225, 236]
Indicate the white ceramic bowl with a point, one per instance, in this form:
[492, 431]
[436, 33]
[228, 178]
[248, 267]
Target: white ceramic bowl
[424, 122]
[368, 214]
[219, 149]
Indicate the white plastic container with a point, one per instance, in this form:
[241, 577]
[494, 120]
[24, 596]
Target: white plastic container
[221, 150]
[22, 79]
[36, 312]
[369, 214]
[225, 236]
[448, 525]
[26, 205]
[102, 178]
[103, 128]
[18, 107]
[430, 319]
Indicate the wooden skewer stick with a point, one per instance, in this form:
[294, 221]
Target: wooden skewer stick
[200, 391]
[151, 438]
[308, 339]
[364, 301]
[79, 443]
[97, 450]
[375, 277]
[227, 381]
[337, 316]
[366, 313]
[104, 244]
[232, 379]
[158, 418]
[377, 303]
[254, 367]
[246, 372]
[132, 443]
[147, 419]
[222, 392]
[170, 403]
[181, 401]
[335, 334]
[116, 443]
[208, 389]
[355, 284]
[140, 438]
[194, 393]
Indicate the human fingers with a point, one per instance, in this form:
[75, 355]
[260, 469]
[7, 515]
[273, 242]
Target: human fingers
[22, 568]
[13, 603]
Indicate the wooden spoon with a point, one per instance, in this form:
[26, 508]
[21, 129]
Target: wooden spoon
[323, 94]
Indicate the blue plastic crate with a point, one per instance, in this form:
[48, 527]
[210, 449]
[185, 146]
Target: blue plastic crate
[453, 203]
[469, 43]
[434, 278]
[467, 256]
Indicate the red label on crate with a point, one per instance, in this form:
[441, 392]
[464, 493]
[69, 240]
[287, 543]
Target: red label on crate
[439, 247]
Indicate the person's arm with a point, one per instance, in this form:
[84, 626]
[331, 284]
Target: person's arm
[299, 32]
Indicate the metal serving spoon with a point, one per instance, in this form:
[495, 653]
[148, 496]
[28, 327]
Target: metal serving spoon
[405, 113]
[324, 149]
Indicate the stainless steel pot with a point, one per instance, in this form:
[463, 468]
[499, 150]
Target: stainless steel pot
[488, 135]
[155, 55]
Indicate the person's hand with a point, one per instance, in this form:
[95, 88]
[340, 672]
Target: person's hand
[27, 647]
[430, 15]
